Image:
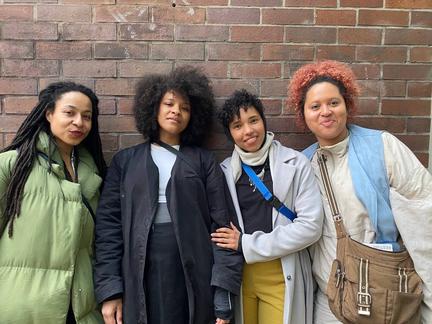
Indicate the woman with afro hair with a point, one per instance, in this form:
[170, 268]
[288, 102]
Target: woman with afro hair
[155, 262]
[383, 192]
[277, 282]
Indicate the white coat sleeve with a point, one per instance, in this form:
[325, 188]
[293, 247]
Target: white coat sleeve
[411, 201]
[291, 237]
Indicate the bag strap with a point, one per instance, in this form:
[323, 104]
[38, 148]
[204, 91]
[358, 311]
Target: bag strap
[179, 154]
[83, 198]
[337, 218]
[268, 196]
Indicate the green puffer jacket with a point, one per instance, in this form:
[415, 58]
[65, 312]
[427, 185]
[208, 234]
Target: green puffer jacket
[47, 264]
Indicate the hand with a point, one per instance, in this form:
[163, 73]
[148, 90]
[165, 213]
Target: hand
[226, 237]
[112, 311]
[221, 321]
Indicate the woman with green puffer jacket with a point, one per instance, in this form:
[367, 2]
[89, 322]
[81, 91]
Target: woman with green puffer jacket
[50, 176]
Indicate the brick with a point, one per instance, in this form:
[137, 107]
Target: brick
[275, 52]
[16, 13]
[234, 52]
[383, 18]
[178, 15]
[274, 88]
[10, 124]
[30, 68]
[415, 142]
[139, 68]
[405, 107]
[336, 52]
[187, 51]
[421, 54]
[18, 86]
[257, 3]
[377, 54]
[215, 69]
[281, 124]
[408, 37]
[218, 141]
[109, 142]
[224, 88]
[418, 125]
[393, 88]
[368, 106]
[204, 2]
[266, 34]
[44, 82]
[125, 106]
[272, 106]
[409, 4]
[233, 16]
[98, 32]
[128, 140]
[407, 72]
[145, 2]
[19, 105]
[419, 89]
[96, 2]
[335, 17]
[121, 14]
[370, 36]
[146, 31]
[423, 158]
[288, 16]
[255, 70]
[23, 30]
[421, 18]
[107, 106]
[311, 3]
[369, 88]
[117, 124]
[296, 141]
[201, 33]
[115, 87]
[121, 50]
[362, 3]
[11, 49]
[366, 71]
[323, 35]
[63, 50]
[391, 124]
[94, 69]
[63, 13]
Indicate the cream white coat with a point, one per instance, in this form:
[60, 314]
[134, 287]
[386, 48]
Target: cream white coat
[295, 185]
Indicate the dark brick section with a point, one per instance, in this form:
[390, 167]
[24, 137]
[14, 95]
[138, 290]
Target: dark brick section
[253, 44]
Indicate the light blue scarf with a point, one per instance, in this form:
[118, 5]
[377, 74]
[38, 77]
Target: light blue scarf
[369, 176]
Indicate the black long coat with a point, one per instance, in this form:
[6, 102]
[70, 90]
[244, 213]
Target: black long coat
[198, 202]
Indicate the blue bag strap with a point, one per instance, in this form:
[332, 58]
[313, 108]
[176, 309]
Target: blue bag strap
[276, 203]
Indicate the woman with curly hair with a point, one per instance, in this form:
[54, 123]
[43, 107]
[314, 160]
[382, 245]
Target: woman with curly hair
[50, 177]
[277, 278]
[383, 192]
[155, 262]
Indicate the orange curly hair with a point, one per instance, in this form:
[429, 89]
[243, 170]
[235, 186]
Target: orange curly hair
[331, 71]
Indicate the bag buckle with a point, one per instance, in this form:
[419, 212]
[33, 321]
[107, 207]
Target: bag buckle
[276, 203]
[364, 301]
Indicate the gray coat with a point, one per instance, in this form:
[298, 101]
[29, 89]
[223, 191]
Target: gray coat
[294, 184]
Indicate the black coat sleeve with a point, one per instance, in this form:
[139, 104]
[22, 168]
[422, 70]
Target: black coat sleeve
[228, 264]
[108, 237]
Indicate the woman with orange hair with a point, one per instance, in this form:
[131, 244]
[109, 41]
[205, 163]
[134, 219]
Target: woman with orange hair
[383, 192]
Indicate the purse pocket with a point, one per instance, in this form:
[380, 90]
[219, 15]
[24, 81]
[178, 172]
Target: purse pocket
[334, 285]
[406, 307]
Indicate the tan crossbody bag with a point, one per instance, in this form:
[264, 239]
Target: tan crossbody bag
[368, 285]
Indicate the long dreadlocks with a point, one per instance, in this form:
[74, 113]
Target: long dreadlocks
[25, 143]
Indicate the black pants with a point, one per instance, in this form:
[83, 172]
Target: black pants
[70, 319]
[165, 288]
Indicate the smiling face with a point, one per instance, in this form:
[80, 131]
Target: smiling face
[173, 117]
[325, 113]
[70, 120]
[248, 130]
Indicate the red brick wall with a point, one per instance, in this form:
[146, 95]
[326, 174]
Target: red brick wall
[255, 44]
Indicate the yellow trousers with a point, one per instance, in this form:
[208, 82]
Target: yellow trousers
[263, 292]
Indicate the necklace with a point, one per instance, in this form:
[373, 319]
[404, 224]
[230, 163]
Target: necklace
[260, 175]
